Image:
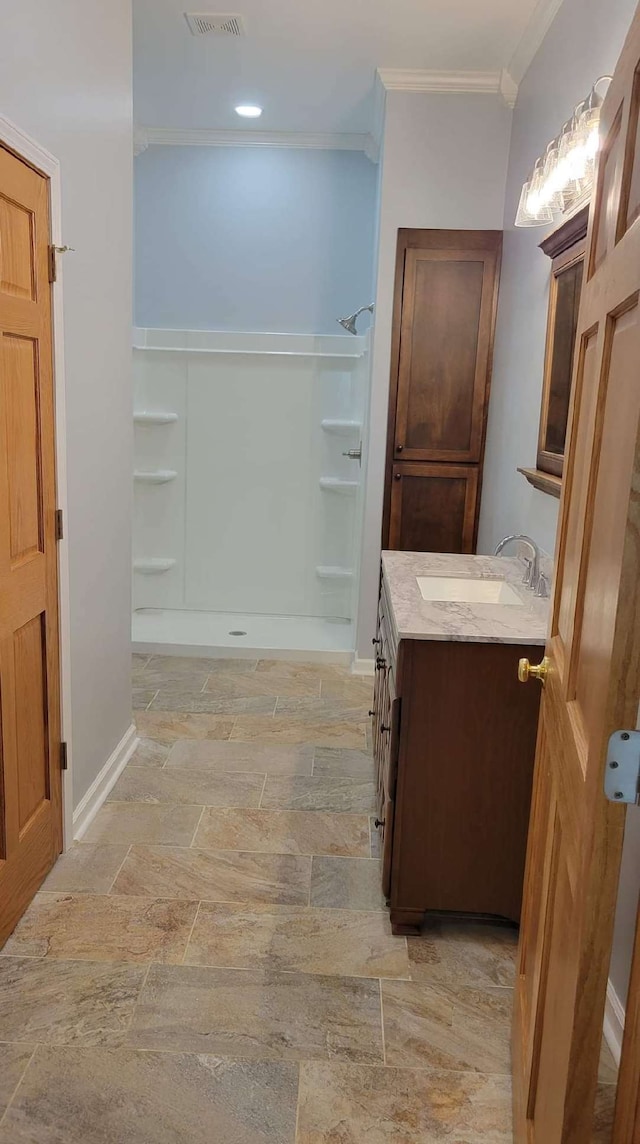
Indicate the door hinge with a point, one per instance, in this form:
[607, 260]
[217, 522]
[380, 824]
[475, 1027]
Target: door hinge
[622, 773]
[59, 524]
[64, 759]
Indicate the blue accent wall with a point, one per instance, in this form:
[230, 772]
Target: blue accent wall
[250, 238]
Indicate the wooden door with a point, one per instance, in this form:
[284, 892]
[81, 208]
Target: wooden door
[30, 781]
[433, 508]
[593, 678]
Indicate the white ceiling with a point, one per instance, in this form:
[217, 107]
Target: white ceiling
[309, 63]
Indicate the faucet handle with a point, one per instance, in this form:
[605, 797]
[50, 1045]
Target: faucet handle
[542, 587]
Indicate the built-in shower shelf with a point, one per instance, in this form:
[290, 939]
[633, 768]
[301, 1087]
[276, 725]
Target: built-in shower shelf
[154, 565]
[341, 428]
[250, 352]
[146, 417]
[155, 476]
[335, 485]
[333, 572]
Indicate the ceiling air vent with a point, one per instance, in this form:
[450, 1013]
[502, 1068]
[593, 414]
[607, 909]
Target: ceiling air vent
[215, 23]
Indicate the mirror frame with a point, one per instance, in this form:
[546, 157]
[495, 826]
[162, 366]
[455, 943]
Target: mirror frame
[566, 247]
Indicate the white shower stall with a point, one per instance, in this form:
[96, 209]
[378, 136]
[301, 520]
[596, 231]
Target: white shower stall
[248, 491]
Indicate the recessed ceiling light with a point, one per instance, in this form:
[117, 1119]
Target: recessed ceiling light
[249, 111]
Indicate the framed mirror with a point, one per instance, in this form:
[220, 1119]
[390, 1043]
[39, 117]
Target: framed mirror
[566, 248]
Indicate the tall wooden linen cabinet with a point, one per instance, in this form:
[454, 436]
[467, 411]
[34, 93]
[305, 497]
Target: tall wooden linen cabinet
[446, 296]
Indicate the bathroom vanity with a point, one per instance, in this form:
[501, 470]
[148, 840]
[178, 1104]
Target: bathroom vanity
[454, 733]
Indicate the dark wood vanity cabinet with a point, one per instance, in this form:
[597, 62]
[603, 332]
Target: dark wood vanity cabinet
[446, 292]
[454, 738]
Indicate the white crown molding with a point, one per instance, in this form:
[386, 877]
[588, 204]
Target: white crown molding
[191, 137]
[508, 88]
[537, 27]
[140, 143]
[448, 82]
[379, 111]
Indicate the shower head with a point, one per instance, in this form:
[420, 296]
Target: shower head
[349, 324]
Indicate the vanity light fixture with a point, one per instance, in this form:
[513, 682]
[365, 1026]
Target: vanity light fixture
[563, 177]
[249, 111]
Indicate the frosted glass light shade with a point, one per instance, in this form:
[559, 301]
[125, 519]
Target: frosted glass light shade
[532, 210]
[564, 175]
[552, 182]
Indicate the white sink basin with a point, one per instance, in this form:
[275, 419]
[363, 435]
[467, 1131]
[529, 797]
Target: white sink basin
[460, 590]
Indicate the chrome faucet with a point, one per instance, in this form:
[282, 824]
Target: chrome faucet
[532, 575]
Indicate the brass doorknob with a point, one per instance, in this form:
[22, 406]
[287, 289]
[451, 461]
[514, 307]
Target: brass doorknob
[527, 671]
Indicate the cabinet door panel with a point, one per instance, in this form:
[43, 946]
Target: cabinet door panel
[386, 839]
[433, 508]
[444, 364]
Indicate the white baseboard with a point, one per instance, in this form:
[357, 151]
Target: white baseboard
[362, 666]
[90, 804]
[613, 1027]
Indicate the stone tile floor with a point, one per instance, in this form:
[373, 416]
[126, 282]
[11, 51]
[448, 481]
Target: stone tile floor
[214, 961]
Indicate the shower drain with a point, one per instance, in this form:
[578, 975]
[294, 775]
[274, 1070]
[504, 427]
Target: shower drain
[237, 633]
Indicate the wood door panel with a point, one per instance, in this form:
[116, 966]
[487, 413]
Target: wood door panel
[630, 206]
[616, 427]
[438, 357]
[17, 262]
[19, 391]
[30, 780]
[32, 748]
[604, 226]
[541, 851]
[433, 508]
[577, 478]
[556, 1000]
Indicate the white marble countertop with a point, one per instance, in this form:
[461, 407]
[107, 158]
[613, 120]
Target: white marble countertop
[418, 619]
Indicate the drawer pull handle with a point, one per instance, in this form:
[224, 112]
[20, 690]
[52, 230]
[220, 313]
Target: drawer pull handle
[384, 729]
[376, 641]
[372, 713]
[377, 822]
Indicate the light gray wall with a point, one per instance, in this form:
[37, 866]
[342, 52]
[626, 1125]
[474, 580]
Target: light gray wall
[444, 163]
[65, 79]
[253, 238]
[583, 42]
